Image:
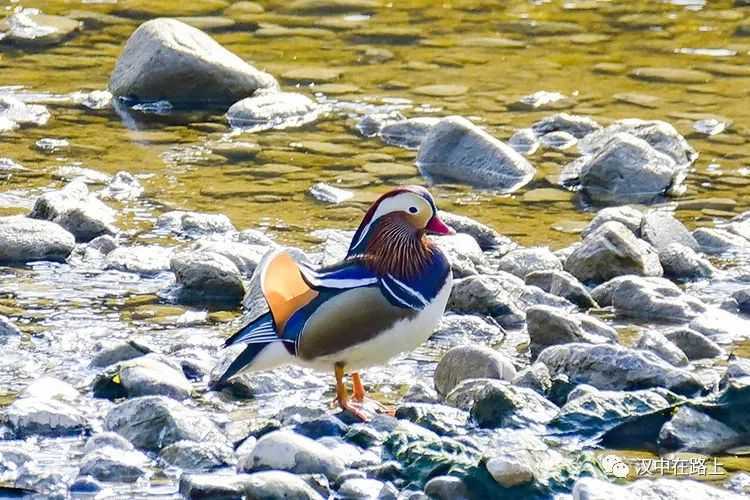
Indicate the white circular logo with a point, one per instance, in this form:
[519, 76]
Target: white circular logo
[614, 466]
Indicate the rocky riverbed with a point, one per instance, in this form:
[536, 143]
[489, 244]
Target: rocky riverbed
[596, 339]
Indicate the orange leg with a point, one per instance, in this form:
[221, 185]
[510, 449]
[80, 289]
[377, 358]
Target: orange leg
[342, 397]
[359, 389]
[361, 396]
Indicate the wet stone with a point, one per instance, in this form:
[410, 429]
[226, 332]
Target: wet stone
[562, 284]
[549, 326]
[690, 430]
[194, 224]
[24, 239]
[524, 261]
[612, 250]
[525, 141]
[671, 75]
[485, 236]
[154, 422]
[682, 262]
[500, 404]
[107, 440]
[146, 375]
[165, 59]
[114, 465]
[146, 260]
[407, 133]
[493, 164]
[661, 229]
[637, 99]
[559, 140]
[614, 367]
[542, 101]
[470, 361]
[44, 417]
[191, 456]
[718, 241]
[657, 343]
[625, 215]
[205, 275]
[694, 344]
[28, 29]
[269, 484]
[272, 110]
[576, 125]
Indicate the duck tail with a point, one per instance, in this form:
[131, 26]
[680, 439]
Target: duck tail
[257, 334]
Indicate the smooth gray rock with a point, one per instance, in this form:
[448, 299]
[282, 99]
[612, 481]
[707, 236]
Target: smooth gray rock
[272, 110]
[103, 244]
[523, 261]
[562, 284]
[122, 186]
[456, 149]
[291, 452]
[485, 236]
[628, 170]
[327, 193]
[595, 411]
[146, 259]
[29, 28]
[576, 125]
[612, 250]
[463, 395]
[463, 253]
[509, 471]
[191, 456]
[153, 422]
[549, 326]
[500, 404]
[589, 488]
[205, 275]
[111, 352]
[194, 224]
[421, 392]
[661, 229]
[48, 388]
[455, 329]
[695, 345]
[360, 489]
[407, 133]
[8, 331]
[30, 416]
[535, 377]
[559, 140]
[525, 141]
[14, 113]
[658, 134]
[107, 440]
[614, 367]
[46, 482]
[76, 210]
[648, 298]
[491, 295]
[653, 341]
[470, 361]
[446, 488]
[165, 59]
[114, 465]
[625, 215]
[690, 430]
[717, 241]
[27, 240]
[742, 297]
[257, 486]
[682, 262]
[149, 375]
[245, 256]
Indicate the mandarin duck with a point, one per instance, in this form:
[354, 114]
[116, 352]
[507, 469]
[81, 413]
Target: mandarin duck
[384, 298]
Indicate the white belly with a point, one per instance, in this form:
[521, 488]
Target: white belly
[404, 336]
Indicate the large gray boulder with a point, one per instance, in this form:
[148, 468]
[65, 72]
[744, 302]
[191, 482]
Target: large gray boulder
[76, 210]
[292, 452]
[612, 250]
[470, 361]
[260, 485]
[550, 326]
[562, 284]
[29, 416]
[456, 149]
[523, 261]
[683, 263]
[147, 375]
[625, 214]
[26, 240]
[614, 367]
[693, 431]
[268, 110]
[695, 345]
[648, 298]
[206, 276]
[165, 59]
[153, 422]
[500, 404]
[661, 229]
[657, 343]
[627, 169]
[30, 28]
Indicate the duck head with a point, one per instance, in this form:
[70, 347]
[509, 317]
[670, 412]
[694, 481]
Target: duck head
[393, 229]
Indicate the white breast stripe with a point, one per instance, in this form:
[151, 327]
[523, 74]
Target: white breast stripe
[396, 296]
[347, 283]
[413, 292]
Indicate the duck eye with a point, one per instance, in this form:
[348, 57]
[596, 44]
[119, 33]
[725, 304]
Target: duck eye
[413, 210]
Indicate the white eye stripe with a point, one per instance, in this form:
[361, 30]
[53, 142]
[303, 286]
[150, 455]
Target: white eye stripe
[402, 202]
